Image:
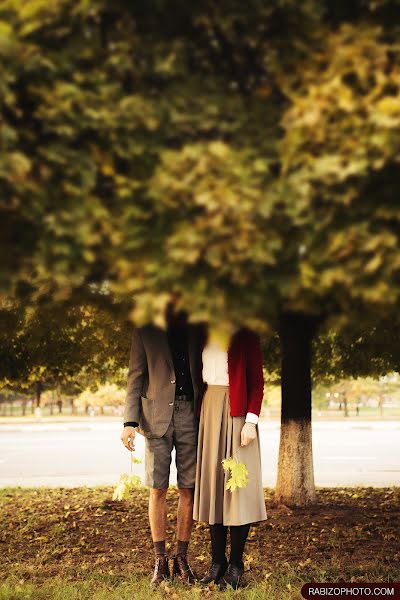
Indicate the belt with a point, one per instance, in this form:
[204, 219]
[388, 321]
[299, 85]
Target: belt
[186, 397]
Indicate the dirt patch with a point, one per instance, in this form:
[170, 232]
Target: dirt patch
[349, 533]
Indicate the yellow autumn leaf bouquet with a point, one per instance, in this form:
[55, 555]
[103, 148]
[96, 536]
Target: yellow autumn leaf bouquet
[239, 474]
[127, 482]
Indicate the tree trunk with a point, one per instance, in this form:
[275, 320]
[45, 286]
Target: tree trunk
[295, 483]
[346, 407]
[38, 393]
[59, 398]
[53, 401]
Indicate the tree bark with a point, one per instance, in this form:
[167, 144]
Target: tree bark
[38, 393]
[346, 407]
[59, 398]
[295, 482]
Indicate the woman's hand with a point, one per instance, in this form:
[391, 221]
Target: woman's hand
[248, 434]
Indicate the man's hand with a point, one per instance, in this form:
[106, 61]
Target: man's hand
[248, 434]
[128, 437]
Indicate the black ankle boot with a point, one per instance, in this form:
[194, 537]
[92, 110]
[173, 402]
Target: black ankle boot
[232, 576]
[214, 573]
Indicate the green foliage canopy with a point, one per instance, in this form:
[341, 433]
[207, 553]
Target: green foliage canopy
[245, 155]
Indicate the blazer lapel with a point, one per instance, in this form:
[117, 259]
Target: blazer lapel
[161, 340]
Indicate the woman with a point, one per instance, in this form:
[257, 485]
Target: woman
[228, 427]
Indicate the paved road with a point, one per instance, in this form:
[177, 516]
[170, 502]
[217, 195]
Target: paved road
[90, 453]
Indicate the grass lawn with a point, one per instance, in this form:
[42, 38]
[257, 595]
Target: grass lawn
[79, 544]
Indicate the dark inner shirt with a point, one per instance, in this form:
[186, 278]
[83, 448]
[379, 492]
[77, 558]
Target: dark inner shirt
[178, 343]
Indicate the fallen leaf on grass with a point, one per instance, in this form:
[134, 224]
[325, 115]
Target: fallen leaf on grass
[201, 558]
[248, 560]
[303, 563]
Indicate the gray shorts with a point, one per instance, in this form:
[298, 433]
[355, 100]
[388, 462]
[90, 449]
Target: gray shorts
[181, 433]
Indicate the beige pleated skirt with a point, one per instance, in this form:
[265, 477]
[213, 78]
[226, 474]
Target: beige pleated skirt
[219, 438]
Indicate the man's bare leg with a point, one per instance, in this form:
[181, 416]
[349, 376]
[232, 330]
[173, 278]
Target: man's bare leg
[158, 514]
[184, 528]
[185, 514]
[158, 520]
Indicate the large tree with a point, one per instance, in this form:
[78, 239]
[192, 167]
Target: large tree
[245, 155]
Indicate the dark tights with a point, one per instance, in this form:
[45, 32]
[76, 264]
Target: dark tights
[238, 534]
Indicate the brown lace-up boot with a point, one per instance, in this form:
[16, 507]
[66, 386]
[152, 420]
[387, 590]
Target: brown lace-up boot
[161, 571]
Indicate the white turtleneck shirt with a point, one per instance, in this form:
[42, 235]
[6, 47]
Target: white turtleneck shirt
[215, 370]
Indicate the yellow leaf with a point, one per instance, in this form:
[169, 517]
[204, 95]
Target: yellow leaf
[125, 484]
[107, 170]
[239, 476]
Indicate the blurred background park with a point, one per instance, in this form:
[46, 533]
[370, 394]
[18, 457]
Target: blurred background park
[245, 157]
[367, 398]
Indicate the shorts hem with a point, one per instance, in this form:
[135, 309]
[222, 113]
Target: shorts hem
[153, 486]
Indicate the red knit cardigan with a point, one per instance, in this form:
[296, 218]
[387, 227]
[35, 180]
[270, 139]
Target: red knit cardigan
[245, 370]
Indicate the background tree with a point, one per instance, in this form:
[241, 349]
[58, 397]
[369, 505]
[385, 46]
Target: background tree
[64, 347]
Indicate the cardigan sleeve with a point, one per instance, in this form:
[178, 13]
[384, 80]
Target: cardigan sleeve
[254, 374]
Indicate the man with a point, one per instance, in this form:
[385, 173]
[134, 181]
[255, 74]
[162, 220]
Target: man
[163, 400]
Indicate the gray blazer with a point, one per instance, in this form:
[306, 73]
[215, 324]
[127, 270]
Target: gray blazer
[151, 378]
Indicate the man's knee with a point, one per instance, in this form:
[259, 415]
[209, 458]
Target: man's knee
[158, 494]
[186, 494]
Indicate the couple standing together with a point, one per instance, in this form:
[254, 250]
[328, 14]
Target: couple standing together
[186, 392]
